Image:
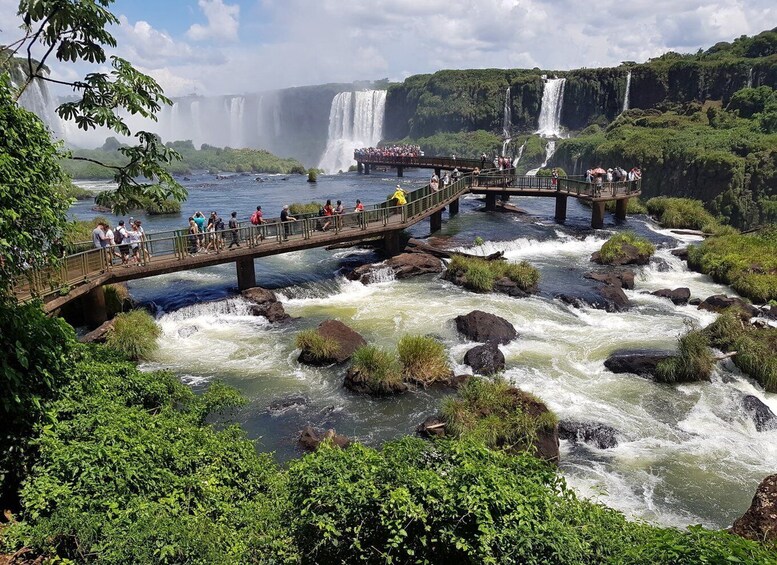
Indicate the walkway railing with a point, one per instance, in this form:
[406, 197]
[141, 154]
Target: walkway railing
[419, 161]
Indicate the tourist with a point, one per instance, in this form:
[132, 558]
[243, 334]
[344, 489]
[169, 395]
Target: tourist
[194, 237]
[434, 184]
[483, 159]
[359, 206]
[456, 174]
[98, 236]
[120, 238]
[134, 236]
[339, 209]
[588, 176]
[399, 197]
[257, 219]
[476, 175]
[143, 240]
[328, 212]
[609, 175]
[286, 218]
[210, 237]
[446, 180]
[554, 178]
[200, 220]
[233, 227]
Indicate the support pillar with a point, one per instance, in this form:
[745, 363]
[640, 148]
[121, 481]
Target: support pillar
[246, 274]
[94, 310]
[435, 221]
[438, 172]
[359, 167]
[561, 208]
[620, 208]
[400, 171]
[453, 208]
[366, 168]
[392, 243]
[597, 215]
[505, 197]
[490, 201]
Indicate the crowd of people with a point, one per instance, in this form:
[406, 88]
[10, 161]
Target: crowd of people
[390, 151]
[124, 242]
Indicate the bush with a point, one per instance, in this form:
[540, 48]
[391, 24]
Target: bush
[683, 213]
[312, 175]
[612, 250]
[165, 207]
[117, 299]
[320, 347]
[480, 275]
[380, 368]
[694, 360]
[134, 335]
[304, 208]
[424, 359]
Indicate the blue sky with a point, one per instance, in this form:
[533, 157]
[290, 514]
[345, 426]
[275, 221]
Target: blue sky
[240, 46]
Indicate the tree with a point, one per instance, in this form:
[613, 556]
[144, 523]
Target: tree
[76, 30]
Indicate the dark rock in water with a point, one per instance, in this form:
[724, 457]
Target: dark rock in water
[629, 255]
[458, 381]
[510, 288]
[188, 331]
[99, 334]
[266, 304]
[759, 523]
[310, 438]
[719, 302]
[638, 361]
[278, 406]
[762, 416]
[484, 327]
[485, 359]
[404, 265]
[600, 435]
[678, 296]
[769, 312]
[432, 427]
[694, 301]
[682, 253]
[622, 279]
[616, 299]
[358, 382]
[660, 265]
[348, 340]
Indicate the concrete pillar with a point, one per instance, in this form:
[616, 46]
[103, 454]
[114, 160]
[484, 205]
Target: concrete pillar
[453, 208]
[94, 310]
[359, 167]
[366, 168]
[491, 201]
[438, 172]
[435, 221]
[400, 171]
[246, 274]
[620, 208]
[561, 208]
[597, 215]
[392, 243]
[505, 197]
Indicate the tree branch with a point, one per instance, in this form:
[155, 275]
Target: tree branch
[96, 162]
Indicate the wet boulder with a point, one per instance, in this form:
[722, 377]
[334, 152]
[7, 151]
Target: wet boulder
[615, 299]
[310, 438]
[629, 255]
[283, 404]
[761, 415]
[99, 334]
[719, 302]
[510, 288]
[678, 296]
[361, 383]
[681, 253]
[265, 303]
[759, 523]
[484, 327]
[638, 361]
[485, 359]
[600, 435]
[403, 266]
[432, 427]
[347, 340]
[621, 278]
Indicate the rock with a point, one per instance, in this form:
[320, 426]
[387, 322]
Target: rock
[458, 381]
[629, 255]
[769, 311]
[762, 416]
[485, 359]
[348, 340]
[484, 327]
[616, 299]
[99, 334]
[265, 303]
[404, 265]
[358, 382]
[601, 435]
[719, 302]
[638, 361]
[510, 288]
[759, 523]
[284, 404]
[678, 296]
[622, 279]
[682, 253]
[310, 438]
[432, 427]
[187, 331]
[694, 301]
[546, 442]
[660, 264]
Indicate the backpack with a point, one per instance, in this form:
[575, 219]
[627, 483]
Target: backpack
[219, 225]
[118, 236]
[255, 218]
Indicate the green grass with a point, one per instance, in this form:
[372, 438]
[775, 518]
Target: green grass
[480, 275]
[612, 250]
[320, 347]
[495, 412]
[116, 298]
[134, 335]
[634, 206]
[685, 213]
[694, 360]
[304, 208]
[747, 262]
[380, 368]
[424, 359]
[161, 208]
[72, 191]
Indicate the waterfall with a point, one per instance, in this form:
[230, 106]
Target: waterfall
[750, 77]
[236, 107]
[37, 99]
[628, 90]
[355, 120]
[550, 110]
[507, 118]
[520, 153]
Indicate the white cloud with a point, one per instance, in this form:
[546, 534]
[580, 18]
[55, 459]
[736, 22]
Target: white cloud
[144, 45]
[222, 21]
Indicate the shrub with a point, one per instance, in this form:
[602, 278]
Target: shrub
[694, 360]
[320, 347]
[134, 335]
[380, 368]
[117, 299]
[312, 175]
[683, 213]
[612, 250]
[304, 208]
[423, 359]
[165, 207]
[480, 275]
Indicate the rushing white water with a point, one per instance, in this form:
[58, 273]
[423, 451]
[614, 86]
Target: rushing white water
[236, 121]
[37, 99]
[520, 153]
[550, 110]
[750, 77]
[355, 120]
[628, 92]
[507, 119]
[550, 149]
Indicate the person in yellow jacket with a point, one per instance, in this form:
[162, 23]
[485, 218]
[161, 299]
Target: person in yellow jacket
[399, 197]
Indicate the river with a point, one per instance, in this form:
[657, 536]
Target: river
[687, 454]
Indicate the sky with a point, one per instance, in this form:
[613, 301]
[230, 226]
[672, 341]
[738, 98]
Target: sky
[214, 47]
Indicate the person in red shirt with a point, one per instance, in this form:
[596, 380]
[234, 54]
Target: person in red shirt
[359, 206]
[328, 211]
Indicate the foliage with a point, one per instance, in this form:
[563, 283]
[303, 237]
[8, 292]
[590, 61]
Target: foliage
[380, 367]
[498, 414]
[750, 101]
[634, 206]
[424, 359]
[117, 299]
[72, 191]
[467, 145]
[612, 249]
[480, 275]
[134, 335]
[312, 175]
[747, 262]
[155, 208]
[684, 213]
[304, 208]
[320, 347]
[694, 360]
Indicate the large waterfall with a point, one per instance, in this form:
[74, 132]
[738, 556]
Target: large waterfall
[550, 111]
[355, 120]
[628, 92]
[37, 99]
[507, 118]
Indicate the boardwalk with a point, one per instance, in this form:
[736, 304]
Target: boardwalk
[80, 274]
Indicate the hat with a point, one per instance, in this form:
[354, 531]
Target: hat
[398, 186]
[285, 206]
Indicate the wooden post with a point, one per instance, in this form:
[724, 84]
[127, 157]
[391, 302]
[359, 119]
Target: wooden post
[435, 221]
[561, 208]
[453, 208]
[246, 274]
[400, 171]
[94, 310]
[620, 208]
[597, 214]
[491, 201]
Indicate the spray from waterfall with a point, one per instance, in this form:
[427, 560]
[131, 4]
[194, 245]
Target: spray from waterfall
[628, 91]
[507, 118]
[355, 120]
[37, 99]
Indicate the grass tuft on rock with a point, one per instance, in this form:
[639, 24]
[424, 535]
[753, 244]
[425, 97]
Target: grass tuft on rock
[320, 347]
[304, 208]
[481, 275]
[424, 359]
[613, 249]
[694, 360]
[378, 368]
[117, 299]
[685, 213]
[134, 335]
